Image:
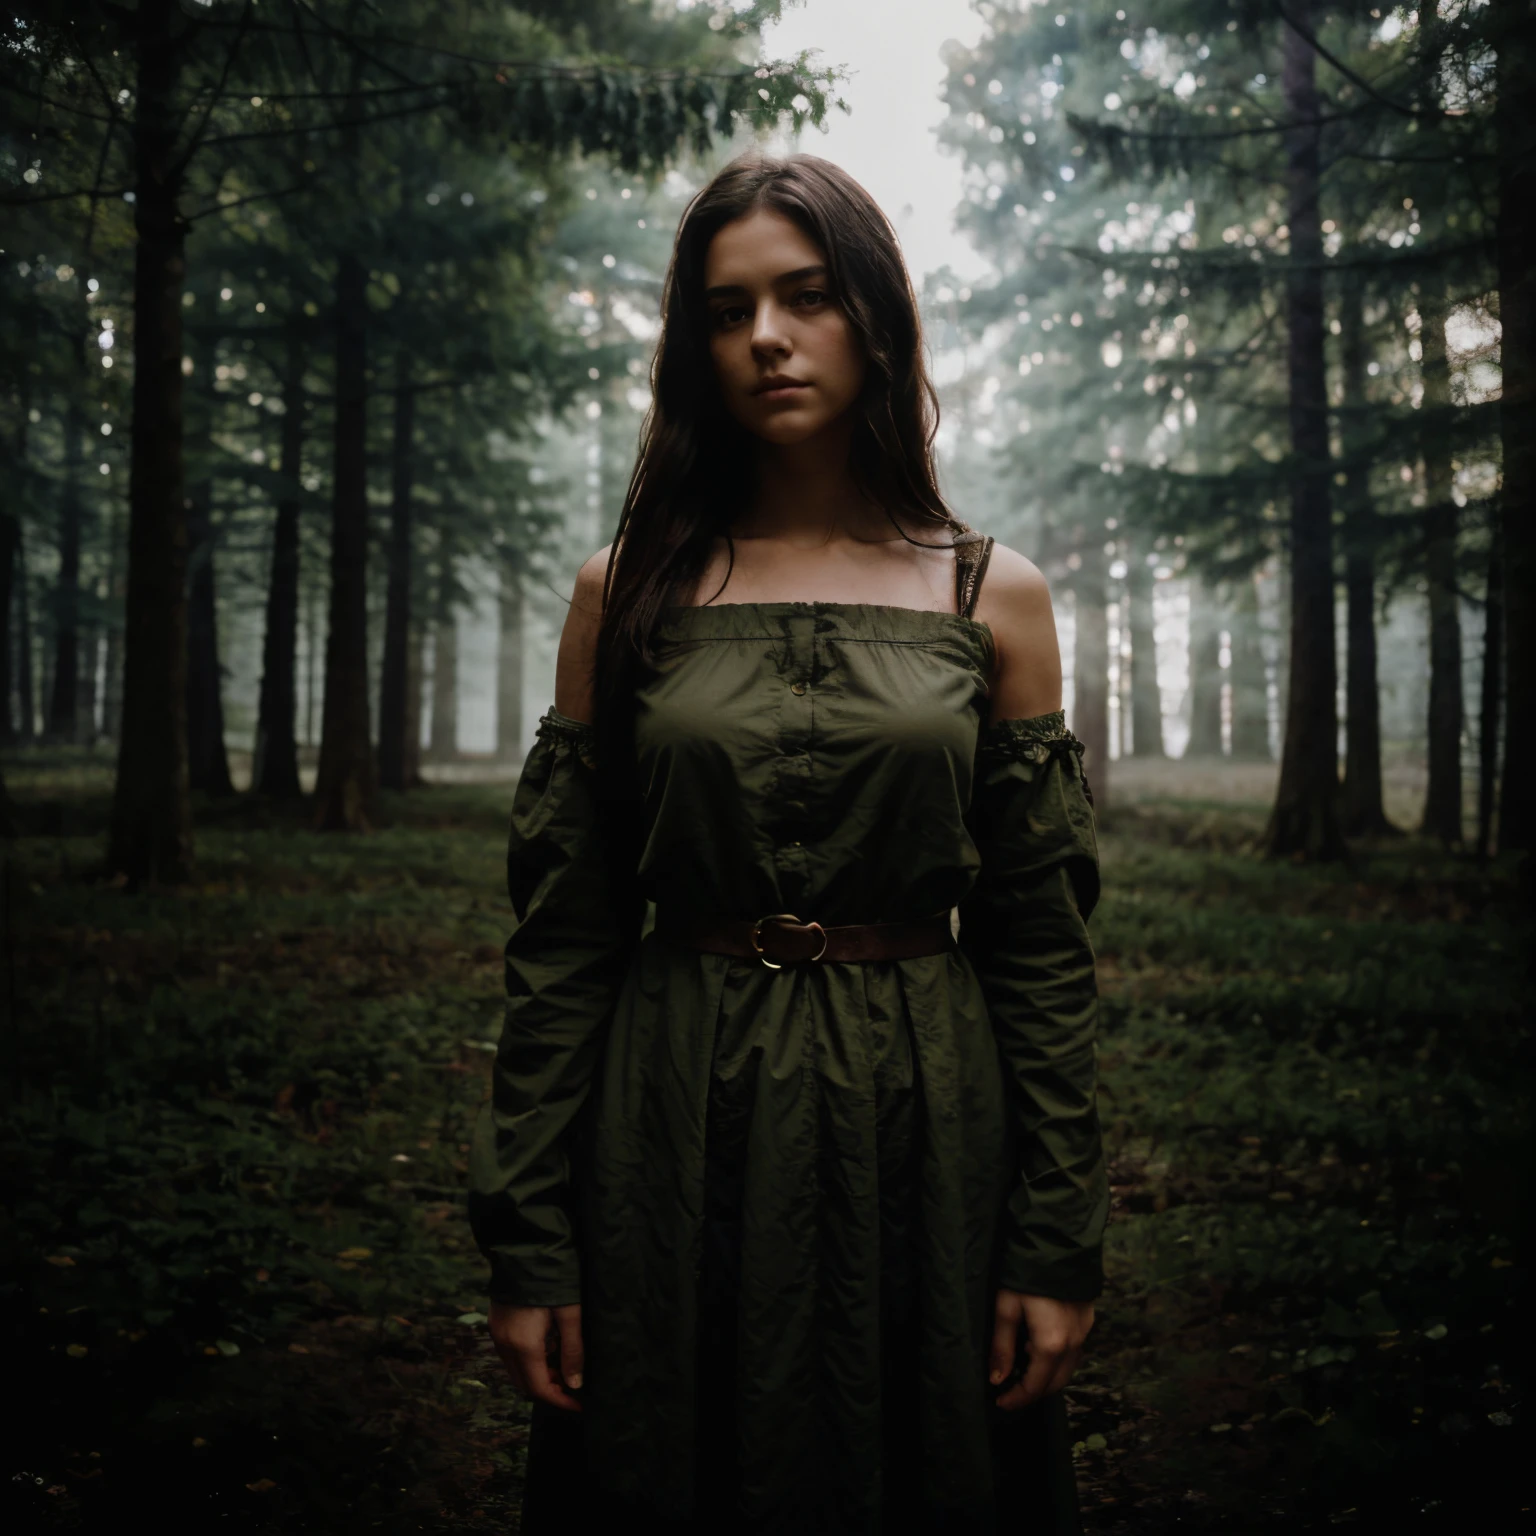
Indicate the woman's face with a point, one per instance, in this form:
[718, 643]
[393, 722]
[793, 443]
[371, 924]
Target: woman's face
[785, 356]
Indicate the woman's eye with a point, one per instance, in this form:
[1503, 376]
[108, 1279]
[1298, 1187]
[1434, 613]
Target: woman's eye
[729, 316]
[810, 297]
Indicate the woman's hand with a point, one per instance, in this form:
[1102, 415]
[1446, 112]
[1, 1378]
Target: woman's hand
[1054, 1334]
[531, 1340]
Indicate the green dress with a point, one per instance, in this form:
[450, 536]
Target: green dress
[888, 1142]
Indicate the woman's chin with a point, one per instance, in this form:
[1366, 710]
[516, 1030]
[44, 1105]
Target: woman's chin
[789, 428]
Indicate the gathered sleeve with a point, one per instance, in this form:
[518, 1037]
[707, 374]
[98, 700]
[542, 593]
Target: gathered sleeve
[1024, 929]
[564, 963]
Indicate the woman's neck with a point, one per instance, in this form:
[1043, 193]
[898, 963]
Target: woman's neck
[806, 493]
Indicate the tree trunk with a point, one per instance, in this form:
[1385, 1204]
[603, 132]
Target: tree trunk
[445, 660]
[26, 698]
[1492, 684]
[275, 760]
[14, 650]
[1362, 812]
[1442, 802]
[346, 785]
[1205, 677]
[86, 698]
[1246, 677]
[1304, 821]
[151, 835]
[207, 758]
[509, 662]
[63, 701]
[395, 724]
[10, 550]
[1146, 697]
[112, 626]
[311, 663]
[1517, 414]
[1090, 668]
[415, 672]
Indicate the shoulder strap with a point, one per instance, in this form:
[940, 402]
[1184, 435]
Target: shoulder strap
[972, 552]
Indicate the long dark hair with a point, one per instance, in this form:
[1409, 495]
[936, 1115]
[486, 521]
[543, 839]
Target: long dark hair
[688, 481]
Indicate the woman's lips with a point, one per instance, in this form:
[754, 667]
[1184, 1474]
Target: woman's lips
[779, 392]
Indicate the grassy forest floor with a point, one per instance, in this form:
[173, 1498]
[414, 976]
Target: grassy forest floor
[239, 1292]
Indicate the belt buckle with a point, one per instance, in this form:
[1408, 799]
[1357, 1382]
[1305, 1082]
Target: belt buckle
[782, 917]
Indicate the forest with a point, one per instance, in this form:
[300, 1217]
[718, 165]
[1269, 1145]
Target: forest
[325, 335]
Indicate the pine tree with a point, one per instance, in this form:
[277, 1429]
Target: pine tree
[174, 107]
[1234, 201]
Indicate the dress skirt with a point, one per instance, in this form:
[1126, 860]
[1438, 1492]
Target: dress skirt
[1030, 1449]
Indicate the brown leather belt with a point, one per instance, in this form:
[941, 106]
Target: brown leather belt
[782, 939]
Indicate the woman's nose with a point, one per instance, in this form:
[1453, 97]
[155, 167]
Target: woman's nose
[769, 335]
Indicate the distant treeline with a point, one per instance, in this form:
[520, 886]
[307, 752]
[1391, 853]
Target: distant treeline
[265, 261]
[1265, 291]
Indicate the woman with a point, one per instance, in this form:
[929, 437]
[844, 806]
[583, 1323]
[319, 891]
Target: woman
[794, 1203]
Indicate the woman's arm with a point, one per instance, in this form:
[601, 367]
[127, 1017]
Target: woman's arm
[1015, 603]
[563, 962]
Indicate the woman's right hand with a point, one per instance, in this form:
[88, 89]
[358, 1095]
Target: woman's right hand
[541, 1348]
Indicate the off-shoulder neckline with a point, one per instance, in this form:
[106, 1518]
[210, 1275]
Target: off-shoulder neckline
[976, 628]
[819, 602]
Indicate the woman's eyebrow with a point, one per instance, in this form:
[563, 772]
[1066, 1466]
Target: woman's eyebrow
[733, 290]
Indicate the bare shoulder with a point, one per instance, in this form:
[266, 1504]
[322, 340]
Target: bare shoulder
[1013, 585]
[577, 657]
[588, 595]
[1015, 604]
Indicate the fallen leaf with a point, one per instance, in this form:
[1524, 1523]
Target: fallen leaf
[355, 1254]
[262, 1276]
[62, 1260]
[226, 1347]
[77, 1351]
[262, 1485]
[198, 1442]
[473, 1319]
[297, 1349]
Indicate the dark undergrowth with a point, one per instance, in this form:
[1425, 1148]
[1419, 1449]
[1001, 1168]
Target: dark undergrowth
[238, 1291]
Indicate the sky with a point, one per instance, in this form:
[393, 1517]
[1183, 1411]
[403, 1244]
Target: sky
[891, 50]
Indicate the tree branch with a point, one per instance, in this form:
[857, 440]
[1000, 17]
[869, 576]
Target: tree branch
[255, 197]
[1310, 39]
[196, 137]
[58, 106]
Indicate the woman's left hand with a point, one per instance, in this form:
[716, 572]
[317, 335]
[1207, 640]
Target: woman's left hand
[1054, 1334]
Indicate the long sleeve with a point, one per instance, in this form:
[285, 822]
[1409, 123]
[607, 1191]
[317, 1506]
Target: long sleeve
[1024, 928]
[564, 963]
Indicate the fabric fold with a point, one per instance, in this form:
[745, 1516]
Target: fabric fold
[564, 964]
[1024, 927]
